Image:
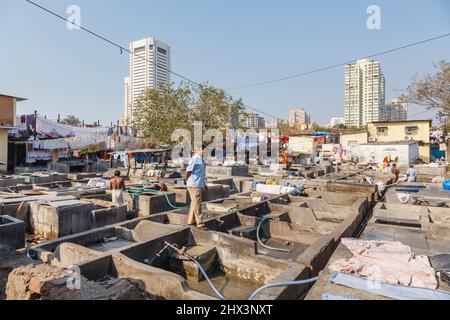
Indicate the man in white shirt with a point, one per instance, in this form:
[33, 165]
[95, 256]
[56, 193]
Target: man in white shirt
[195, 177]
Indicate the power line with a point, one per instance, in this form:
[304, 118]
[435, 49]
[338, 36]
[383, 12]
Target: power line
[122, 49]
[418, 113]
[298, 75]
[109, 41]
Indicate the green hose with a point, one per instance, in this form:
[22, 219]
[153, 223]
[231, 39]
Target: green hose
[259, 239]
[138, 192]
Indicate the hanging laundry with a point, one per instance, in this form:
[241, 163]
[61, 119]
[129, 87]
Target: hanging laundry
[30, 120]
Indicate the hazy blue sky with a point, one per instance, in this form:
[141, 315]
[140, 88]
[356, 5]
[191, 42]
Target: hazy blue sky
[226, 42]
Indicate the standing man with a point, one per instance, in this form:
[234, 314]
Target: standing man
[117, 185]
[195, 177]
[411, 173]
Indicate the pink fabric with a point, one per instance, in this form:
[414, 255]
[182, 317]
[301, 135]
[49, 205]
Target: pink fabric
[387, 262]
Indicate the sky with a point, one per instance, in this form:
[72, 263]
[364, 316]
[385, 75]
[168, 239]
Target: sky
[227, 43]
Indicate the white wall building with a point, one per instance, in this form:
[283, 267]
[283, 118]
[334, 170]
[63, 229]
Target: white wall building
[402, 152]
[149, 68]
[299, 117]
[364, 92]
[396, 110]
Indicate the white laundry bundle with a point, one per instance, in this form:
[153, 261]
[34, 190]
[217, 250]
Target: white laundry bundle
[403, 197]
[98, 182]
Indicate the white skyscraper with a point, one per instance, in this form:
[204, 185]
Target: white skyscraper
[149, 68]
[364, 92]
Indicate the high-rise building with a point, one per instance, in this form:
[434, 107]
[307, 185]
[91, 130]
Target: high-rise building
[396, 110]
[299, 117]
[149, 68]
[253, 120]
[364, 92]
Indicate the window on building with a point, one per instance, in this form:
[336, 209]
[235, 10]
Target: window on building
[411, 130]
[161, 50]
[140, 49]
[382, 131]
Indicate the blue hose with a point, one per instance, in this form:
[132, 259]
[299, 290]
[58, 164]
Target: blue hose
[283, 284]
[207, 279]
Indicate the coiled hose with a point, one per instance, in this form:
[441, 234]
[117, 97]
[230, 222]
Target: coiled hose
[263, 244]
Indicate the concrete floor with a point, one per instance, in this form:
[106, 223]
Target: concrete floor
[334, 205]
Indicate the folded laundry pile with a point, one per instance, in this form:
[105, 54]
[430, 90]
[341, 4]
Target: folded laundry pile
[387, 262]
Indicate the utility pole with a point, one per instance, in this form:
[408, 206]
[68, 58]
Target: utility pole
[35, 125]
[444, 136]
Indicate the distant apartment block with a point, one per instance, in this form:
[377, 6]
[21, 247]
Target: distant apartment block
[274, 123]
[149, 68]
[396, 110]
[254, 120]
[336, 121]
[299, 117]
[364, 92]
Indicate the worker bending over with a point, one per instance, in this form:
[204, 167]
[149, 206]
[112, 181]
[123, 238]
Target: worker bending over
[195, 177]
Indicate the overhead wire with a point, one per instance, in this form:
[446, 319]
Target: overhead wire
[123, 49]
[298, 75]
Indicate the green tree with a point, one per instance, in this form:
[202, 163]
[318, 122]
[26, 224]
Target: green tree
[157, 113]
[285, 129]
[215, 109]
[432, 91]
[71, 120]
[340, 126]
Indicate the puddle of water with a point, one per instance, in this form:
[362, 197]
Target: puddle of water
[231, 288]
[107, 246]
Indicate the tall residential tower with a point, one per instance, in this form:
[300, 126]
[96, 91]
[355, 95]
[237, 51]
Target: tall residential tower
[149, 68]
[364, 92]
